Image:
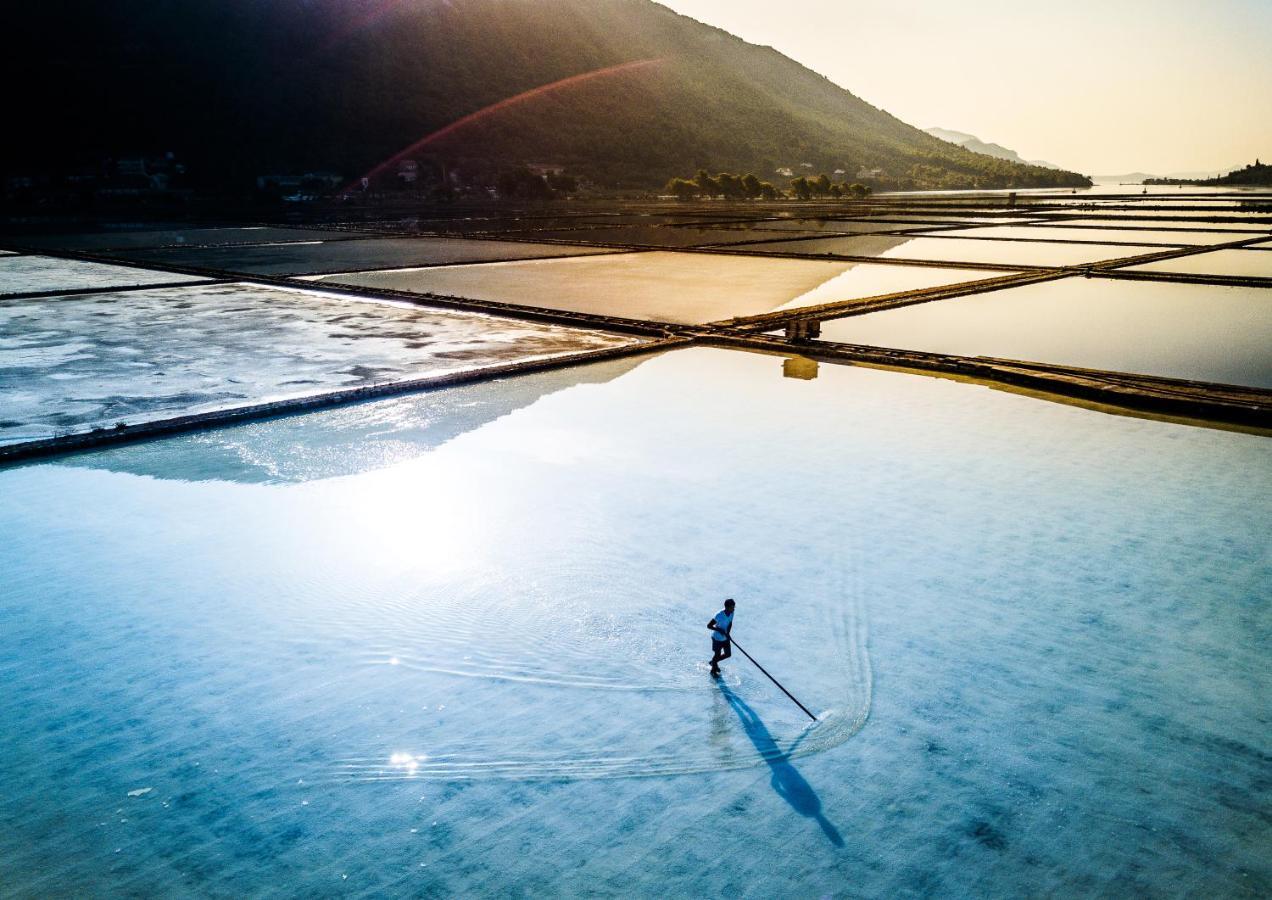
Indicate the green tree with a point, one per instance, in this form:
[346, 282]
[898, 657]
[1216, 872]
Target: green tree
[706, 184]
[730, 186]
[821, 185]
[803, 190]
[751, 186]
[682, 188]
[768, 191]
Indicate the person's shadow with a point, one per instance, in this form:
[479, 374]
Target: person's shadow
[786, 780]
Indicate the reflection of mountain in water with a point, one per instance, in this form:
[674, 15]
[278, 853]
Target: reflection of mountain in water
[344, 440]
[866, 245]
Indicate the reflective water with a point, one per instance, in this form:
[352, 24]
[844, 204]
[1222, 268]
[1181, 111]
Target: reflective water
[471, 224]
[525, 224]
[297, 257]
[1193, 331]
[103, 240]
[664, 286]
[1130, 236]
[664, 236]
[815, 226]
[956, 250]
[950, 219]
[73, 363]
[854, 245]
[1249, 218]
[1250, 263]
[1251, 227]
[23, 274]
[1036, 636]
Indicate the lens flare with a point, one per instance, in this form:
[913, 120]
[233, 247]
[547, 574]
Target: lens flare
[492, 109]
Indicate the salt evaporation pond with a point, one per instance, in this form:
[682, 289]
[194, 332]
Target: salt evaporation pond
[150, 237]
[1125, 236]
[1037, 635]
[910, 220]
[73, 363]
[1194, 331]
[1244, 262]
[813, 226]
[302, 257]
[663, 286]
[663, 236]
[1253, 228]
[1167, 213]
[34, 274]
[955, 250]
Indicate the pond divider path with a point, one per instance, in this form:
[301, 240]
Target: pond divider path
[1198, 402]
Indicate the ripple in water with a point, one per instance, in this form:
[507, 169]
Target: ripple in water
[587, 655]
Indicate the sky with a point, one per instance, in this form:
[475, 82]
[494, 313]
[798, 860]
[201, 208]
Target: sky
[1100, 87]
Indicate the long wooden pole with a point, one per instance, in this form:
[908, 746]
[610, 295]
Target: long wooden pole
[768, 676]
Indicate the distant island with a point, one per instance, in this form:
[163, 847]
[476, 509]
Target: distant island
[1257, 174]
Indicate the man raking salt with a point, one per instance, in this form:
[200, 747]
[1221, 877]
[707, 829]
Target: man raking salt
[721, 646]
[721, 626]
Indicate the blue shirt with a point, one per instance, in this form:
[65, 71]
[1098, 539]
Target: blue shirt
[723, 620]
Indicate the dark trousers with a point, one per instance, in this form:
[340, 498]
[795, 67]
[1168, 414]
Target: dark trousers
[720, 650]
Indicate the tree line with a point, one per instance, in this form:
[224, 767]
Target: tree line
[749, 187]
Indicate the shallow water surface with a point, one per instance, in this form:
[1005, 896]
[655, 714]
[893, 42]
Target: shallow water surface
[1249, 263]
[1125, 236]
[151, 237]
[1199, 332]
[386, 649]
[955, 250]
[665, 286]
[73, 363]
[304, 257]
[1113, 221]
[663, 236]
[31, 274]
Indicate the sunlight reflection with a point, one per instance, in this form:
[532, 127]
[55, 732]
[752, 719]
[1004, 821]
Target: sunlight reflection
[873, 280]
[407, 762]
[421, 513]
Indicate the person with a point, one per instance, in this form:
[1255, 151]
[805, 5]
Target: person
[721, 625]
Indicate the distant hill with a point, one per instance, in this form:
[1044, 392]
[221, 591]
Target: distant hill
[1142, 177]
[1257, 174]
[976, 145]
[240, 88]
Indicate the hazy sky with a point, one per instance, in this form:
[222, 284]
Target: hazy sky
[1098, 86]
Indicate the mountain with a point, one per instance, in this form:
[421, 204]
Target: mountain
[240, 88]
[976, 145]
[1141, 177]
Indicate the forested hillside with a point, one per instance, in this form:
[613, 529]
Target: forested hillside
[237, 88]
